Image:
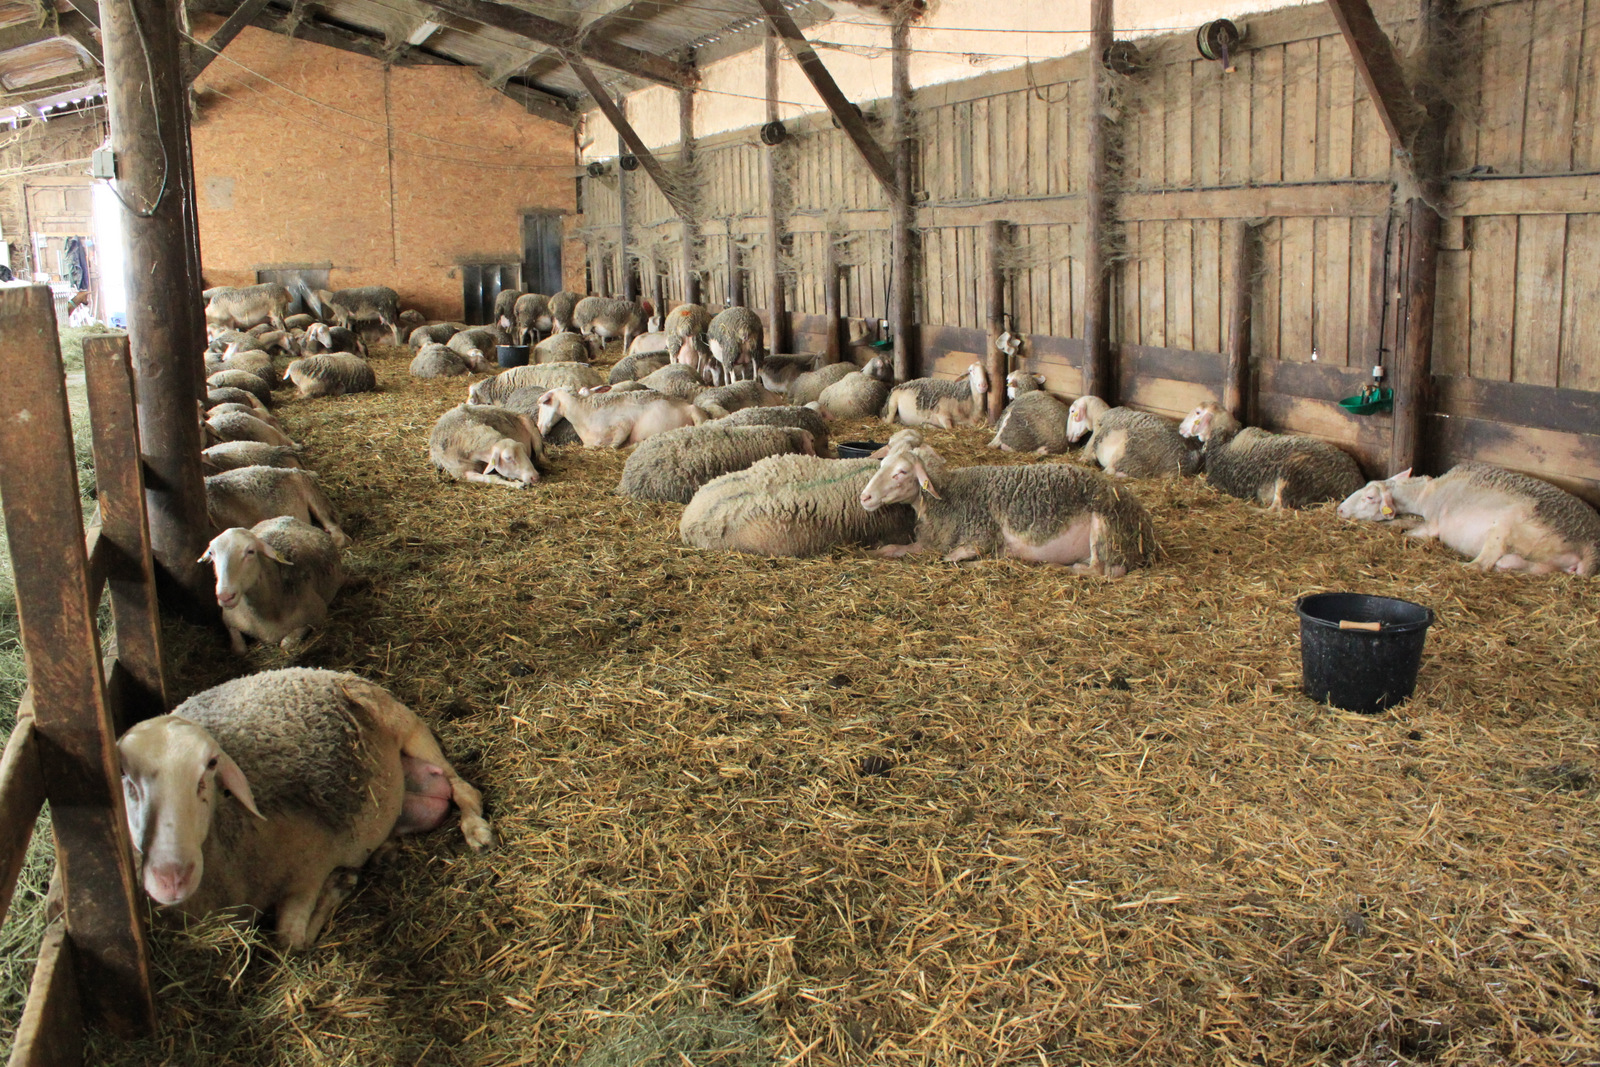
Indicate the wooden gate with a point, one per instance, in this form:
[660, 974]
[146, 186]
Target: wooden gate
[93, 963]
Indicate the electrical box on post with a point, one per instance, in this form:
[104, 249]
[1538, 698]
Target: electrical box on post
[103, 164]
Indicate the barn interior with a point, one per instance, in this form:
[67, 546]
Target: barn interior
[839, 809]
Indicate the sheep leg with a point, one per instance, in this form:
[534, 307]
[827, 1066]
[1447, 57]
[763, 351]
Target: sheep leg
[962, 553]
[1494, 546]
[292, 640]
[236, 640]
[486, 478]
[306, 906]
[897, 551]
[322, 511]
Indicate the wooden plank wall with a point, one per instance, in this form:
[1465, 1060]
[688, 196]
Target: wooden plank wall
[1290, 141]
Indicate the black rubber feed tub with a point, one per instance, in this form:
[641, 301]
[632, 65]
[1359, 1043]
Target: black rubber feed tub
[512, 355]
[1358, 652]
[858, 449]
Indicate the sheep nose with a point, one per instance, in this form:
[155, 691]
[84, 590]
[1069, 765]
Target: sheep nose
[228, 599]
[169, 883]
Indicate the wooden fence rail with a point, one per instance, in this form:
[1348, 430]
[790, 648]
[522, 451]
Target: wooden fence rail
[93, 962]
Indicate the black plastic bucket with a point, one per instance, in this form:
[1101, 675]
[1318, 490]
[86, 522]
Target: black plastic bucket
[1361, 653]
[858, 449]
[512, 355]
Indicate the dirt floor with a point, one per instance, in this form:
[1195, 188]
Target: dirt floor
[851, 810]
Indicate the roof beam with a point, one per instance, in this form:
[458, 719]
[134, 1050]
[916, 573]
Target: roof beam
[80, 31]
[629, 136]
[89, 9]
[316, 31]
[199, 55]
[23, 34]
[842, 110]
[1379, 66]
[549, 32]
[540, 105]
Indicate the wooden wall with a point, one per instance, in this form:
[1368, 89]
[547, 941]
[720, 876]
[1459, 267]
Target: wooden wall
[1291, 142]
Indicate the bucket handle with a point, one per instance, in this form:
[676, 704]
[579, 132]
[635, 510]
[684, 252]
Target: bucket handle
[1371, 627]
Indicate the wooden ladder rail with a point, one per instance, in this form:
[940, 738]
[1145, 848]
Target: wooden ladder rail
[94, 962]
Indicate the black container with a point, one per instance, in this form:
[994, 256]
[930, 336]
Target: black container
[858, 449]
[512, 355]
[1361, 669]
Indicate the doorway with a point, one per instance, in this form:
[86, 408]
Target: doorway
[541, 252]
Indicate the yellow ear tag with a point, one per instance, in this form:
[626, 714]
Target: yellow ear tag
[1387, 510]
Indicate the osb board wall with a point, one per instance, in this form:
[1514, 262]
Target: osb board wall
[36, 145]
[394, 177]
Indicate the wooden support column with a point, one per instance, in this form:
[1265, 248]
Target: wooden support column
[1237, 395]
[1098, 368]
[625, 131]
[625, 283]
[903, 278]
[998, 235]
[830, 297]
[735, 293]
[691, 225]
[777, 310]
[149, 134]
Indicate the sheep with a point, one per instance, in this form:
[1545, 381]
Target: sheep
[562, 306]
[675, 379]
[334, 374]
[1277, 471]
[735, 340]
[1044, 513]
[792, 506]
[788, 415]
[542, 376]
[1504, 520]
[649, 344]
[477, 345]
[364, 304]
[529, 318]
[561, 348]
[860, 395]
[1129, 443]
[243, 307]
[410, 319]
[298, 322]
[941, 404]
[1034, 422]
[234, 426]
[320, 337]
[633, 368]
[488, 444]
[672, 466]
[240, 379]
[616, 421]
[808, 385]
[435, 333]
[247, 409]
[436, 361]
[685, 328]
[250, 361]
[248, 495]
[1019, 382]
[607, 319]
[778, 371]
[228, 394]
[275, 580]
[505, 312]
[736, 397]
[268, 792]
[231, 455]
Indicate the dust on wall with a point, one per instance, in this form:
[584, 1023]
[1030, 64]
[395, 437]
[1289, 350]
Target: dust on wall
[311, 156]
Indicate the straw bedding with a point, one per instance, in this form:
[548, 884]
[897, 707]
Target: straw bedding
[847, 809]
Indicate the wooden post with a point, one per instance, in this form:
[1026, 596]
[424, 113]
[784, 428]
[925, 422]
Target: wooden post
[1413, 381]
[777, 309]
[691, 225]
[1098, 369]
[830, 298]
[1237, 395]
[658, 288]
[625, 284]
[998, 234]
[149, 136]
[77, 750]
[903, 298]
[735, 281]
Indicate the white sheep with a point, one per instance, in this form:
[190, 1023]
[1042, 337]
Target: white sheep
[254, 384]
[542, 376]
[725, 399]
[248, 495]
[1277, 471]
[231, 455]
[488, 444]
[334, 374]
[275, 580]
[268, 792]
[1129, 443]
[938, 403]
[632, 368]
[561, 348]
[616, 420]
[674, 465]
[437, 361]
[808, 386]
[858, 395]
[792, 506]
[1041, 513]
[675, 379]
[802, 418]
[237, 426]
[245, 409]
[1033, 422]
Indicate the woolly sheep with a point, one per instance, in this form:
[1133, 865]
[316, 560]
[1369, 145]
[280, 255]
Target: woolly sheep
[633, 368]
[736, 397]
[803, 418]
[231, 455]
[938, 403]
[228, 394]
[542, 376]
[236, 340]
[274, 580]
[299, 322]
[1019, 382]
[248, 495]
[505, 311]
[674, 465]
[239, 308]
[477, 345]
[1276, 471]
[248, 409]
[778, 371]
[488, 444]
[860, 395]
[1504, 520]
[1129, 443]
[529, 318]
[607, 319]
[349, 307]
[735, 340]
[685, 328]
[808, 385]
[436, 361]
[562, 306]
[616, 420]
[240, 379]
[234, 426]
[650, 344]
[561, 348]
[334, 374]
[792, 506]
[435, 333]
[268, 792]
[1043, 513]
[1034, 422]
[320, 337]
[675, 379]
[251, 361]
[411, 318]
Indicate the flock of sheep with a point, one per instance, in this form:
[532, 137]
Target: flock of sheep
[323, 768]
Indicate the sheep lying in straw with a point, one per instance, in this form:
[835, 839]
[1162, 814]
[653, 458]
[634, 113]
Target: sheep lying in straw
[1129, 443]
[231, 455]
[803, 418]
[938, 403]
[237, 426]
[858, 395]
[434, 360]
[248, 495]
[275, 580]
[674, 465]
[725, 399]
[1276, 471]
[633, 368]
[1034, 421]
[542, 376]
[616, 420]
[561, 348]
[268, 792]
[793, 506]
[1045, 513]
[488, 444]
[334, 374]
[476, 345]
[253, 384]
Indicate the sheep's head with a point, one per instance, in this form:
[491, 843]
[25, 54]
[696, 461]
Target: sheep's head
[509, 459]
[1021, 381]
[978, 379]
[1082, 416]
[1204, 420]
[171, 772]
[553, 407]
[879, 367]
[1374, 501]
[904, 475]
[479, 392]
[236, 556]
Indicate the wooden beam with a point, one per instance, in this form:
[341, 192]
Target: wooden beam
[81, 32]
[53, 87]
[842, 110]
[540, 105]
[1236, 392]
[778, 339]
[22, 34]
[21, 797]
[1379, 66]
[89, 9]
[902, 236]
[201, 54]
[549, 32]
[1098, 368]
[1413, 378]
[998, 235]
[626, 132]
[691, 225]
[831, 295]
[626, 286]
[345, 39]
[50, 1032]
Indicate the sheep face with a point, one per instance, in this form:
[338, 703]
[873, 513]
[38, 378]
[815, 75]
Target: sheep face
[901, 479]
[171, 770]
[1078, 418]
[552, 408]
[236, 555]
[1197, 423]
[1373, 501]
[879, 367]
[510, 459]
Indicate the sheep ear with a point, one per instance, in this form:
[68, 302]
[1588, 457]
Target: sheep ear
[1404, 474]
[234, 781]
[923, 480]
[268, 551]
[207, 556]
[1387, 499]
